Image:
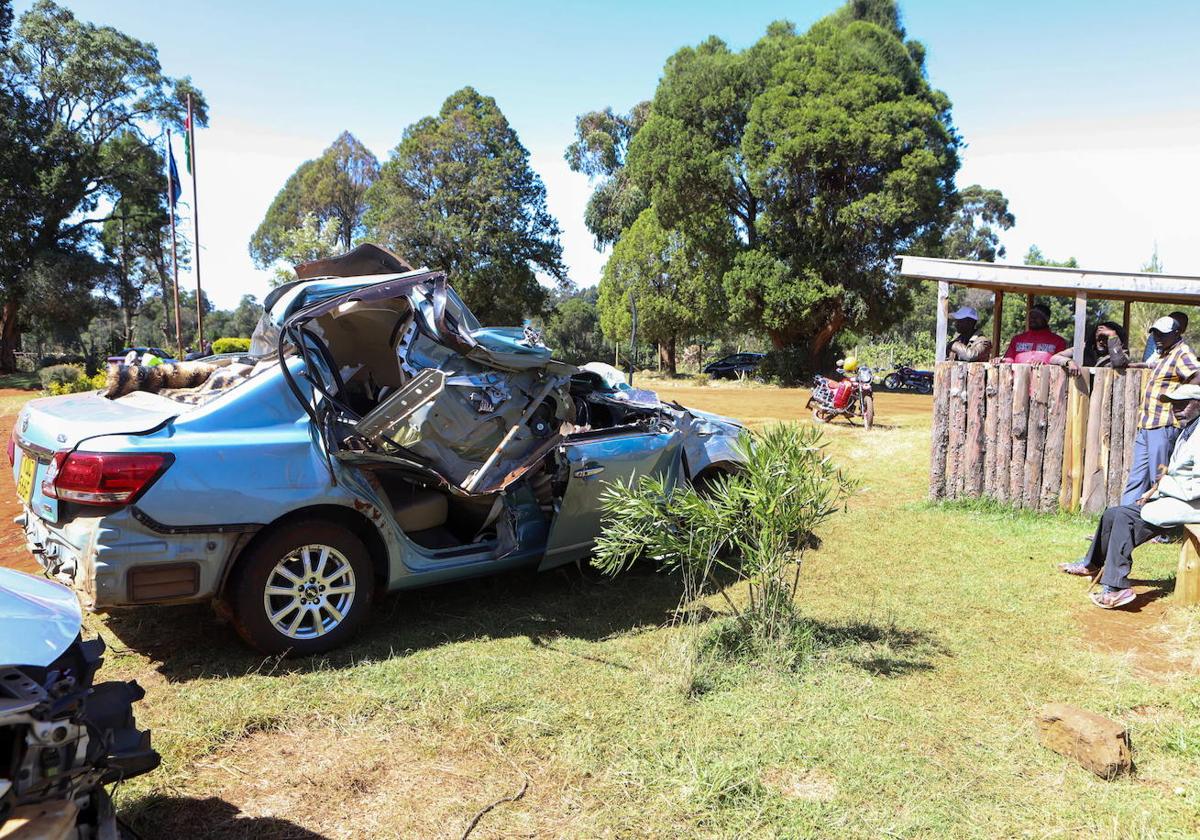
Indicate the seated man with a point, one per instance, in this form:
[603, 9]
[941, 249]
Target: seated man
[968, 346]
[1173, 500]
[1107, 349]
[1037, 345]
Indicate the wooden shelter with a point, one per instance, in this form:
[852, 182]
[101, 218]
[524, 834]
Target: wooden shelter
[1035, 437]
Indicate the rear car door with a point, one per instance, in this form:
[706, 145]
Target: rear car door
[592, 463]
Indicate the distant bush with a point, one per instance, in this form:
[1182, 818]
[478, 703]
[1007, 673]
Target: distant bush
[61, 359]
[789, 366]
[883, 354]
[231, 345]
[69, 379]
[701, 379]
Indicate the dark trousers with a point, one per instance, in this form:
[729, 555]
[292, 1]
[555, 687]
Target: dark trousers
[1151, 447]
[1120, 531]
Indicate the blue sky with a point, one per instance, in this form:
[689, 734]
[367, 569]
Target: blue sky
[1086, 114]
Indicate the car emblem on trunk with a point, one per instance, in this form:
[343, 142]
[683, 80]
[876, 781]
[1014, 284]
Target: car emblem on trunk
[25, 423]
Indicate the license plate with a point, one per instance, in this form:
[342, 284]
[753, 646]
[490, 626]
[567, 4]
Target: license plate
[25, 478]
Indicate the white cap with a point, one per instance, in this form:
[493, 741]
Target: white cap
[965, 312]
[1165, 324]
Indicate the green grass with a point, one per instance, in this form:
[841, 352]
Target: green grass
[937, 631]
[22, 381]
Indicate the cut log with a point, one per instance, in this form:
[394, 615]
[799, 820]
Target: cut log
[1187, 576]
[1003, 437]
[976, 444]
[1020, 430]
[1055, 447]
[1035, 444]
[941, 427]
[1077, 435]
[956, 452]
[1133, 405]
[1116, 440]
[991, 401]
[1099, 744]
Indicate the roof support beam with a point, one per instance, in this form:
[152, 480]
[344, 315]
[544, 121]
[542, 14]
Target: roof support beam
[943, 307]
[1080, 325]
[997, 317]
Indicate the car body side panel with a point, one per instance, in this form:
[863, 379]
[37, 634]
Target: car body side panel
[592, 464]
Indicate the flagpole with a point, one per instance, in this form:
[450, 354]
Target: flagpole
[191, 128]
[174, 251]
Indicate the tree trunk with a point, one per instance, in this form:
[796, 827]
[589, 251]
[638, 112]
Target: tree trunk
[666, 356]
[824, 336]
[10, 335]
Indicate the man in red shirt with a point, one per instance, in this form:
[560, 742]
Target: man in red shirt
[1037, 344]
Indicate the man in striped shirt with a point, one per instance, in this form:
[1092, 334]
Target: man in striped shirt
[1174, 364]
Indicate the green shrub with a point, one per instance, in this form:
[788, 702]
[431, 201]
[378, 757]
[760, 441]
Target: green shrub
[884, 353]
[231, 345]
[701, 379]
[65, 385]
[60, 375]
[752, 526]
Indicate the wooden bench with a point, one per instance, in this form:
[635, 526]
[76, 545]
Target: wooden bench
[1187, 578]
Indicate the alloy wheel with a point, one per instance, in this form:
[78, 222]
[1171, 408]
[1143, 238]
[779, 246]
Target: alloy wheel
[309, 592]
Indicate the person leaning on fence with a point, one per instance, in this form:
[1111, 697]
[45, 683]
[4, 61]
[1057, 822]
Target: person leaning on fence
[1037, 345]
[1173, 500]
[1173, 364]
[1106, 349]
[1181, 319]
[967, 345]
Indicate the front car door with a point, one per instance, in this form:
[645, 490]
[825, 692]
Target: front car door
[594, 460]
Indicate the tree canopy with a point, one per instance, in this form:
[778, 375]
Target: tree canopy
[331, 188]
[599, 150]
[75, 99]
[812, 160]
[973, 233]
[458, 194]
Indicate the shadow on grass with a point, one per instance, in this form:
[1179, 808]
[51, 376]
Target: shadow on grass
[190, 642]
[214, 818]
[885, 650]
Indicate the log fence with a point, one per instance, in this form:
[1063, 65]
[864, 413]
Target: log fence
[1033, 437]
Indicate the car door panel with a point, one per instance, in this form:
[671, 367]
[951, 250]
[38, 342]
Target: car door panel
[591, 465]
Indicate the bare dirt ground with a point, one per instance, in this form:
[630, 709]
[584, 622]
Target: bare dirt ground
[12, 540]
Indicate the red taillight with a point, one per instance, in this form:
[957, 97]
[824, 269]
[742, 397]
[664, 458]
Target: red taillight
[99, 478]
[12, 447]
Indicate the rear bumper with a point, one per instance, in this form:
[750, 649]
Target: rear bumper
[115, 560]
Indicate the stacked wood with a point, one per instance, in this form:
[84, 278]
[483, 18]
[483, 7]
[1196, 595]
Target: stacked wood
[955, 456]
[1002, 440]
[991, 421]
[1095, 460]
[1055, 446]
[976, 446]
[1018, 431]
[1133, 405]
[1035, 440]
[941, 428]
[1116, 440]
[1077, 413]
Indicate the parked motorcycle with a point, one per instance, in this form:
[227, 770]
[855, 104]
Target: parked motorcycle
[906, 376]
[849, 397]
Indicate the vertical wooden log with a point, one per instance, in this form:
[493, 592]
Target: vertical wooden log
[991, 401]
[1035, 444]
[997, 313]
[1055, 447]
[1125, 317]
[956, 461]
[1095, 461]
[1028, 309]
[1187, 576]
[1080, 336]
[976, 443]
[1133, 404]
[1020, 431]
[1079, 411]
[1003, 438]
[1116, 439]
[939, 442]
[941, 332]
[1101, 501]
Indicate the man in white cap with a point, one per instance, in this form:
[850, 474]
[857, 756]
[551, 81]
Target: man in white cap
[1174, 499]
[1173, 364]
[967, 346]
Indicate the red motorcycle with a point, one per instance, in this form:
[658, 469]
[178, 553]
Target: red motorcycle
[849, 398]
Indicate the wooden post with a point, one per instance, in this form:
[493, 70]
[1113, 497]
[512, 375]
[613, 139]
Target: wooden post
[941, 335]
[1187, 576]
[1078, 411]
[1095, 455]
[1080, 337]
[1133, 405]
[1028, 309]
[1020, 430]
[997, 312]
[941, 426]
[1035, 444]
[976, 446]
[991, 403]
[1116, 439]
[1055, 448]
[1125, 317]
[956, 462]
[1003, 439]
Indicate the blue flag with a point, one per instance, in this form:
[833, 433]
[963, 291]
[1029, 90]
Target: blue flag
[173, 186]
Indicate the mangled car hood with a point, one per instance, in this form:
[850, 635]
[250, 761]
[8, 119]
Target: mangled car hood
[39, 619]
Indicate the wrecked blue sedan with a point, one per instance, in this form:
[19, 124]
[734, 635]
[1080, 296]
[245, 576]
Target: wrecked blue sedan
[377, 437]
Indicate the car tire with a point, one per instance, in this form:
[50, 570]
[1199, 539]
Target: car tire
[305, 612]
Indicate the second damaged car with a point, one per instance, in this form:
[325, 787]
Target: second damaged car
[376, 438]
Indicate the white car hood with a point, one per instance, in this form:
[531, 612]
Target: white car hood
[39, 619]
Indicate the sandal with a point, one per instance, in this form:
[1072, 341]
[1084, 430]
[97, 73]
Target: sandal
[1080, 568]
[1110, 599]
